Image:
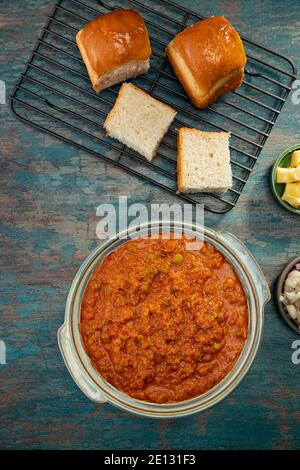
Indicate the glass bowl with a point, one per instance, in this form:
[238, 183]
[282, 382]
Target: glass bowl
[88, 378]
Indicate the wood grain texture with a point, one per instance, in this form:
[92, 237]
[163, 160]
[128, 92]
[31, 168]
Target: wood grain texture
[49, 192]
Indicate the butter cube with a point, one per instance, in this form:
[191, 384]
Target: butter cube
[295, 159]
[297, 173]
[292, 194]
[287, 175]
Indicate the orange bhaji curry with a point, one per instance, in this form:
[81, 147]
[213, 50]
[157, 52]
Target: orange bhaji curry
[162, 323]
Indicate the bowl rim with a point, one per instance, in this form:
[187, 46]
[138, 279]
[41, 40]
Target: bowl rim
[275, 165]
[278, 291]
[224, 387]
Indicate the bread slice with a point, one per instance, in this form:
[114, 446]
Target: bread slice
[114, 47]
[203, 163]
[138, 120]
[208, 59]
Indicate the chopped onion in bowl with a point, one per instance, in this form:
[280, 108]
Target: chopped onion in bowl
[292, 311]
[292, 297]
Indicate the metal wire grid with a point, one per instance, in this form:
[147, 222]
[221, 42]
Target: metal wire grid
[54, 94]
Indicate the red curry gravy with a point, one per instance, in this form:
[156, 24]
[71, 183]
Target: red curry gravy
[162, 323]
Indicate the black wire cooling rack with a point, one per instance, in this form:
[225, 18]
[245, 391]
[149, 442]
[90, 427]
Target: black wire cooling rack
[54, 94]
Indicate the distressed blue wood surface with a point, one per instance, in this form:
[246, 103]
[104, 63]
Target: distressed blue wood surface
[49, 193]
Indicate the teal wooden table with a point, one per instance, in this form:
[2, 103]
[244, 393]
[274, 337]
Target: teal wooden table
[49, 194]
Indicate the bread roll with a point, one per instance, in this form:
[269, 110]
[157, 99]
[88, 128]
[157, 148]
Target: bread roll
[114, 47]
[209, 60]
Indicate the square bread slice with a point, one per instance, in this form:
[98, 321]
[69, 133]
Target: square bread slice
[203, 163]
[138, 120]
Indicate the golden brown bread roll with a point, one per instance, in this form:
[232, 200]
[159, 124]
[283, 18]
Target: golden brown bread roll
[209, 59]
[114, 47]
